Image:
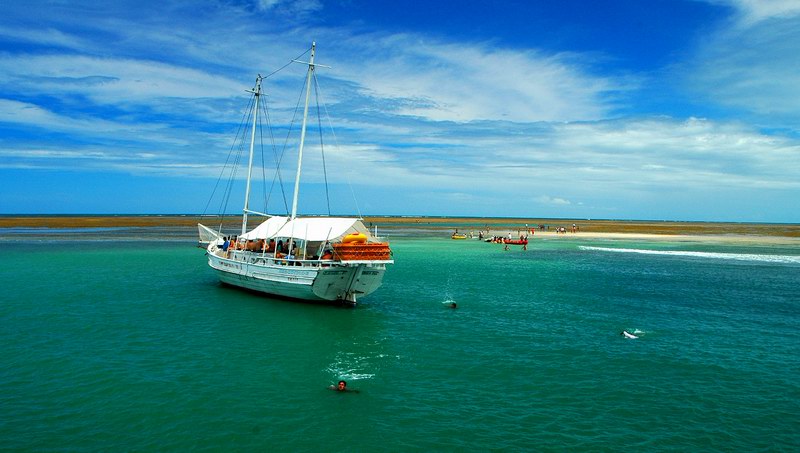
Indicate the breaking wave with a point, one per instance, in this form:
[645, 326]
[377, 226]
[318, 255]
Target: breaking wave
[783, 259]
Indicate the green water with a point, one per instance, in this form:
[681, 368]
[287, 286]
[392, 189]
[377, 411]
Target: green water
[133, 345]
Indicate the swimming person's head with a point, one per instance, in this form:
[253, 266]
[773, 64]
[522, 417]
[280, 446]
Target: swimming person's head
[342, 386]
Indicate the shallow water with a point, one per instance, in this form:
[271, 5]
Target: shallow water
[116, 340]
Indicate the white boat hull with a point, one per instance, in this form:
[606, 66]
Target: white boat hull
[310, 280]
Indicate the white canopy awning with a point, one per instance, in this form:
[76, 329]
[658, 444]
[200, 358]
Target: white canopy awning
[267, 229]
[307, 228]
[320, 228]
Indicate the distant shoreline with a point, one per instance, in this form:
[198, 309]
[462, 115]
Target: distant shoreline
[586, 228]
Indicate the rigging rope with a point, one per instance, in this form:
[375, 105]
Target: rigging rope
[235, 165]
[287, 64]
[225, 167]
[268, 195]
[263, 162]
[336, 143]
[321, 144]
[233, 160]
[286, 144]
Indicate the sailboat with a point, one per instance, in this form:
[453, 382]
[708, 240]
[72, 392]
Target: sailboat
[322, 259]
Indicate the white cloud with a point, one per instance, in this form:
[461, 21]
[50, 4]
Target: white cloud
[470, 121]
[46, 36]
[290, 6]
[110, 80]
[750, 12]
[752, 70]
[653, 153]
[140, 144]
[267, 4]
[548, 200]
[466, 82]
[660, 153]
[406, 74]
[573, 168]
[23, 113]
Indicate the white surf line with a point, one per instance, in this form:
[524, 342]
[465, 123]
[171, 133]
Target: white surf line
[785, 259]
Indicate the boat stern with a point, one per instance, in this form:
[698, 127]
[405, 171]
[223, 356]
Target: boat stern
[348, 282]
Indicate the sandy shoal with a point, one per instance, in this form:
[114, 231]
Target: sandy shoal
[709, 238]
[597, 229]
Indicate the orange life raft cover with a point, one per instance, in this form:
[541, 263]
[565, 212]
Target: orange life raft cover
[356, 251]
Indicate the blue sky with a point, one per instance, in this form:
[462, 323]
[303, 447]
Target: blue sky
[629, 109]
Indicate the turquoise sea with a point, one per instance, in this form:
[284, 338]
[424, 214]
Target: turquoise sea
[123, 340]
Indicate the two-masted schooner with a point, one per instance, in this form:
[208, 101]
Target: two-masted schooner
[305, 258]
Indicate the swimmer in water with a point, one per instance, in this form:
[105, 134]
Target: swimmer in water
[453, 305]
[627, 334]
[342, 387]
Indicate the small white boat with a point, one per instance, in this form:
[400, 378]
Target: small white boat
[305, 258]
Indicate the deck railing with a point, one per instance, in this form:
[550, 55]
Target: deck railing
[250, 257]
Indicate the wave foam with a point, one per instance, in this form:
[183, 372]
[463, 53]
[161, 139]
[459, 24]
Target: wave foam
[784, 259]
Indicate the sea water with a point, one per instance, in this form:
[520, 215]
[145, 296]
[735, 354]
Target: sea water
[125, 340]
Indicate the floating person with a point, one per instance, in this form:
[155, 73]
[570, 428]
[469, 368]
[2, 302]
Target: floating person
[627, 334]
[342, 387]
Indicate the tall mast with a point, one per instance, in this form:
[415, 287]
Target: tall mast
[257, 92]
[303, 131]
